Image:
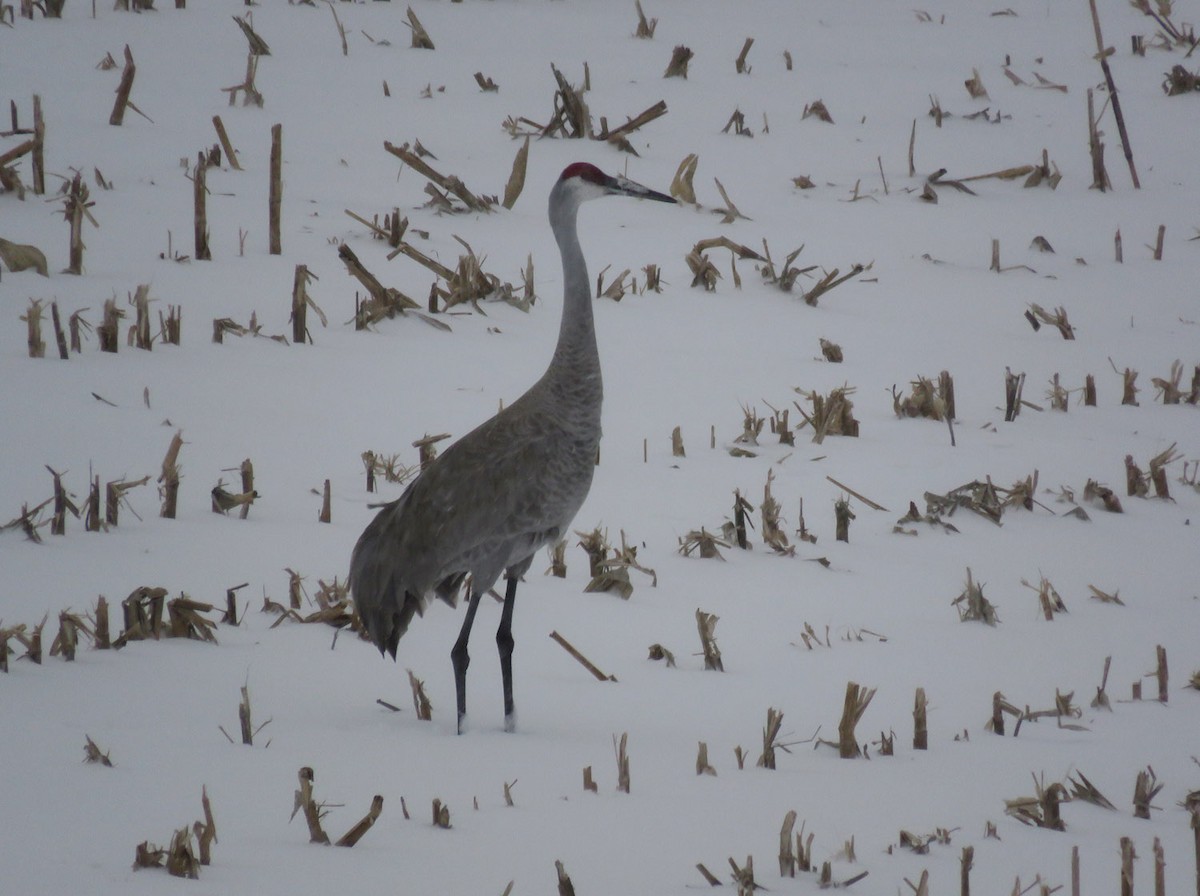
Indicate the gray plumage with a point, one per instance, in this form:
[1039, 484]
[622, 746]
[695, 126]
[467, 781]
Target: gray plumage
[513, 484]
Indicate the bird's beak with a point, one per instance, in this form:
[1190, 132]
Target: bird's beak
[627, 187]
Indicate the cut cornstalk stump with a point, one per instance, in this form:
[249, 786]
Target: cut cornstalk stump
[275, 193]
[1127, 858]
[1014, 383]
[678, 66]
[200, 208]
[1160, 673]
[920, 723]
[169, 478]
[313, 812]
[622, 757]
[565, 887]
[787, 854]
[702, 765]
[677, 449]
[77, 206]
[100, 626]
[858, 698]
[206, 830]
[842, 516]
[645, 27]
[706, 624]
[770, 737]
[326, 513]
[123, 90]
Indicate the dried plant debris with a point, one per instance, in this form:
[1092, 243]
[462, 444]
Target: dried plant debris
[388, 466]
[182, 858]
[830, 351]
[1169, 388]
[920, 843]
[974, 85]
[658, 652]
[1138, 483]
[972, 605]
[785, 279]
[611, 574]
[681, 185]
[773, 532]
[1037, 315]
[571, 118]
[817, 109]
[705, 273]
[735, 530]
[583, 660]
[702, 543]
[421, 702]
[1040, 83]
[20, 257]
[645, 27]
[92, 753]
[1050, 601]
[927, 398]
[984, 498]
[831, 414]
[1146, 788]
[1094, 491]
[1105, 598]
[1180, 81]
[1041, 810]
[1085, 790]
[448, 185]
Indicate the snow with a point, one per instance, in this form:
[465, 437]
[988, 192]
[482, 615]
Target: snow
[684, 357]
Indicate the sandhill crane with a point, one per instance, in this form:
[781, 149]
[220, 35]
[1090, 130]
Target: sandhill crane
[507, 488]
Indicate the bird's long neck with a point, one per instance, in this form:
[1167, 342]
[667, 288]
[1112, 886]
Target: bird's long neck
[574, 373]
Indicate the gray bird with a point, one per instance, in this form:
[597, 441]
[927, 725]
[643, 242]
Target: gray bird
[507, 488]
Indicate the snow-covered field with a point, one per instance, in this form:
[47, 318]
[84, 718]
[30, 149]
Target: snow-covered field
[682, 357]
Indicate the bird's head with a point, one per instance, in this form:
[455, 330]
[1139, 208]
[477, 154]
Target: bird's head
[585, 181]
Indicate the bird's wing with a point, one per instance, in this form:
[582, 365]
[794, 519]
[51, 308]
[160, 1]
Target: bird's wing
[489, 501]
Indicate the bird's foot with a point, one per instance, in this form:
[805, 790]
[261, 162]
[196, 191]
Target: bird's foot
[510, 721]
[462, 722]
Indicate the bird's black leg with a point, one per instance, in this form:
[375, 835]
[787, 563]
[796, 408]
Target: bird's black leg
[461, 659]
[504, 641]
